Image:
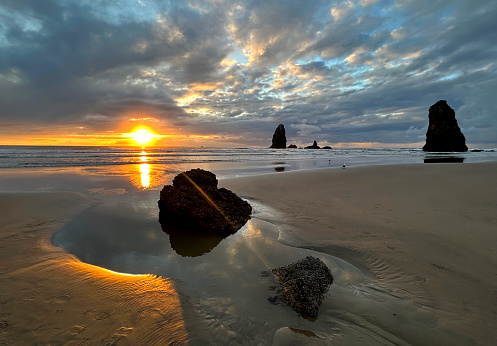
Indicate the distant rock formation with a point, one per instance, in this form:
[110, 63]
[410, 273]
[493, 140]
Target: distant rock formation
[443, 132]
[279, 138]
[313, 146]
[326, 147]
[292, 146]
[303, 284]
[194, 200]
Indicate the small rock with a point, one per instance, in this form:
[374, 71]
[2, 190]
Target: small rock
[303, 284]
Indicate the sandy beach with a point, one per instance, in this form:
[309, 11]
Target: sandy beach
[49, 297]
[424, 233]
[428, 232]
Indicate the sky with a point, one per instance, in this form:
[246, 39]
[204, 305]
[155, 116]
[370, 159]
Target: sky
[225, 73]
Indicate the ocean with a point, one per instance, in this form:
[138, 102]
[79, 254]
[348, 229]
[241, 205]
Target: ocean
[150, 168]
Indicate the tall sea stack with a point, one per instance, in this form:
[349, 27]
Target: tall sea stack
[443, 132]
[279, 138]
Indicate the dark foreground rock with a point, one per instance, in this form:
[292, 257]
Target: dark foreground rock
[195, 201]
[443, 132]
[279, 138]
[313, 146]
[303, 284]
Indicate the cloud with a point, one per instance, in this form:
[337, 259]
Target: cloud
[356, 70]
[305, 130]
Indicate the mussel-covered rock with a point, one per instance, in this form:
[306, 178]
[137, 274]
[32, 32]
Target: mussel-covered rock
[303, 284]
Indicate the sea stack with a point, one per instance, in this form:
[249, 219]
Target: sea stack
[313, 146]
[443, 132]
[279, 138]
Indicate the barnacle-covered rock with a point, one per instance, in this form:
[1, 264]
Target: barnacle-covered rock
[303, 284]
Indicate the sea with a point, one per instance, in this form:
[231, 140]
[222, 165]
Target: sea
[150, 168]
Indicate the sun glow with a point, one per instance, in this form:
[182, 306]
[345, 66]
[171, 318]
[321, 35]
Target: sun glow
[143, 136]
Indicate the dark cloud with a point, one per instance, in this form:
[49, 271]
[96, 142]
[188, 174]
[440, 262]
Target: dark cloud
[340, 71]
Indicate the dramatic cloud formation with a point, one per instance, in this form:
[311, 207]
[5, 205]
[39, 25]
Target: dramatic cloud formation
[226, 73]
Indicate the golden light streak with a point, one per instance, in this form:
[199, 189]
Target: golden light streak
[211, 202]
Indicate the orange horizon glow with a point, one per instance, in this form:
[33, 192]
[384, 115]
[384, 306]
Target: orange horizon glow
[161, 136]
[129, 132]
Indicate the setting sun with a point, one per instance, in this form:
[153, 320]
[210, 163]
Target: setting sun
[143, 136]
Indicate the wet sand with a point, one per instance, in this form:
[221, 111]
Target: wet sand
[424, 235]
[49, 297]
[427, 232]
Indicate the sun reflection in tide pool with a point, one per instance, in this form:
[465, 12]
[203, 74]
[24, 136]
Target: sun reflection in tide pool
[144, 170]
[145, 175]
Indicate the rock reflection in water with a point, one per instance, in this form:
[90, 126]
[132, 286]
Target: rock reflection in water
[189, 242]
[444, 159]
[279, 166]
